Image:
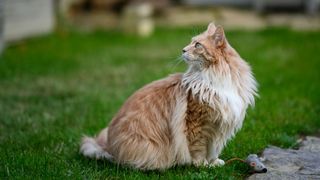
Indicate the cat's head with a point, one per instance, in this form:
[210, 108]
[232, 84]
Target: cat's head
[208, 49]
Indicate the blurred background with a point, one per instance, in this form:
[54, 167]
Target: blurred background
[67, 66]
[27, 18]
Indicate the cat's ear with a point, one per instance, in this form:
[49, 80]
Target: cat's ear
[211, 28]
[218, 37]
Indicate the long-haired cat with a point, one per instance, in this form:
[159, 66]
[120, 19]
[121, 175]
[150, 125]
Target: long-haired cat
[184, 118]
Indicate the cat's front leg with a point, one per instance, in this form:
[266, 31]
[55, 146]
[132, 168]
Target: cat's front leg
[199, 156]
[214, 151]
[216, 162]
[205, 162]
[200, 162]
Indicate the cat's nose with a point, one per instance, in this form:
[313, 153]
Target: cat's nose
[264, 170]
[183, 50]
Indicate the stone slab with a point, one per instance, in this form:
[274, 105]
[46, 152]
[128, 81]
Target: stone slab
[291, 164]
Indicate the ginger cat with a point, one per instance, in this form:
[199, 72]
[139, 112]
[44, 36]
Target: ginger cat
[184, 118]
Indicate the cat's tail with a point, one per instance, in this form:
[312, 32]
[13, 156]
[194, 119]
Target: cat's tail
[92, 148]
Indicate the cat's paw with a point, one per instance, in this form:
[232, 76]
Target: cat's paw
[217, 163]
[199, 163]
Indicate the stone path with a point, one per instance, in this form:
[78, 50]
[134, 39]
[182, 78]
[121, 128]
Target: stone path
[291, 164]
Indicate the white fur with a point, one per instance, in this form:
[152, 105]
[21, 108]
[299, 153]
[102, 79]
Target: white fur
[92, 149]
[222, 92]
[180, 142]
[217, 162]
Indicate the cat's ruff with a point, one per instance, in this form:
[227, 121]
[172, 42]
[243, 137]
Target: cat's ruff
[184, 118]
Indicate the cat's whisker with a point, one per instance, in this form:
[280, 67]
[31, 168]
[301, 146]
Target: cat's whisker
[173, 64]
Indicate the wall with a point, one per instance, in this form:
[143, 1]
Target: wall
[26, 18]
[1, 26]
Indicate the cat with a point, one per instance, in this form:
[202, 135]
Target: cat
[184, 118]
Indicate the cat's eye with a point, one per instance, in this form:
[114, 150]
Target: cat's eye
[198, 45]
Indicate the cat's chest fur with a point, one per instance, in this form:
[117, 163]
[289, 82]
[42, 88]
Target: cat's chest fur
[214, 120]
[201, 122]
[216, 106]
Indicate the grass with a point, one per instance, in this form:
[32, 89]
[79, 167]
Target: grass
[56, 88]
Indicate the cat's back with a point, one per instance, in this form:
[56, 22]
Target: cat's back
[149, 105]
[156, 93]
[161, 86]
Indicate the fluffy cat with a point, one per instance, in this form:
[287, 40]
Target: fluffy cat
[184, 118]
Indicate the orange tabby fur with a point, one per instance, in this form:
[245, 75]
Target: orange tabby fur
[184, 118]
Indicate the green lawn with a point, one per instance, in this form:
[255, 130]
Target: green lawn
[56, 88]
